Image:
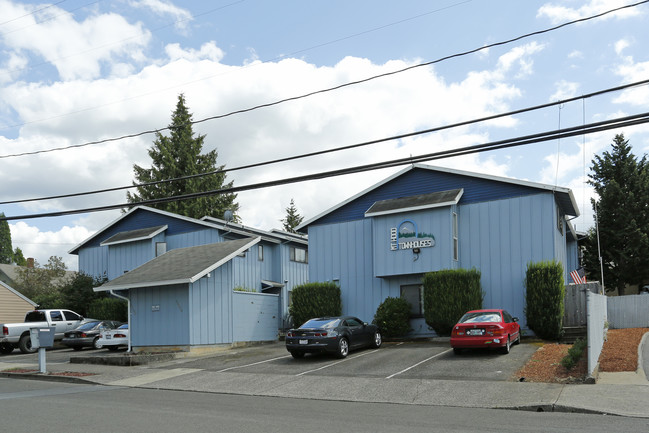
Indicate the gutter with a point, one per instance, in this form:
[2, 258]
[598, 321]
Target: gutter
[112, 292]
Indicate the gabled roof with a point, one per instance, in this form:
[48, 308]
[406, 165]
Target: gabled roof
[180, 266]
[274, 235]
[563, 196]
[17, 293]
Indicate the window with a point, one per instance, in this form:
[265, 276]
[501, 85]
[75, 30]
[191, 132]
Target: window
[260, 254]
[296, 254]
[456, 254]
[69, 315]
[414, 295]
[559, 221]
[160, 248]
[56, 316]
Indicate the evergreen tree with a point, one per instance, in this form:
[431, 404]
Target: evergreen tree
[293, 218]
[180, 155]
[6, 250]
[622, 186]
[19, 257]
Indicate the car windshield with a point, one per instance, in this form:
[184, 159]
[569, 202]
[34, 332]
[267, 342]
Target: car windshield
[124, 326]
[480, 317]
[321, 323]
[87, 326]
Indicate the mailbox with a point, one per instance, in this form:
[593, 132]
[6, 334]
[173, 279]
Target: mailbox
[42, 337]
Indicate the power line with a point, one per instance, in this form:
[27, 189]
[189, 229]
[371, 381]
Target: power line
[331, 89]
[634, 120]
[342, 148]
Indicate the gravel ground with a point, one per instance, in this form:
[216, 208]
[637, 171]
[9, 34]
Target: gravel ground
[620, 353]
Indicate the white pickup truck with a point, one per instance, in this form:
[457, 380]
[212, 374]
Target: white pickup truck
[18, 334]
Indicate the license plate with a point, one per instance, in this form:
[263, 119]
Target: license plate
[304, 341]
[108, 337]
[475, 332]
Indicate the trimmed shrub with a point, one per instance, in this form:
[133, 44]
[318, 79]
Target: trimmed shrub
[448, 294]
[544, 297]
[314, 300]
[393, 317]
[108, 309]
[574, 354]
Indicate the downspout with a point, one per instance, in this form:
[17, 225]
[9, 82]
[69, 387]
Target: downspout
[128, 309]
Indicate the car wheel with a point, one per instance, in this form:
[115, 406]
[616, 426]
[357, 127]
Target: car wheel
[343, 348]
[77, 348]
[376, 342]
[96, 344]
[6, 348]
[507, 346]
[297, 355]
[112, 348]
[25, 344]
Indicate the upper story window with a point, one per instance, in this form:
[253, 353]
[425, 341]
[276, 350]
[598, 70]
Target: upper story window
[260, 254]
[297, 254]
[559, 221]
[160, 248]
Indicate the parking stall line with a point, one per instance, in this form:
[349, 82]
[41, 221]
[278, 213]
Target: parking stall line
[254, 363]
[419, 363]
[335, 363]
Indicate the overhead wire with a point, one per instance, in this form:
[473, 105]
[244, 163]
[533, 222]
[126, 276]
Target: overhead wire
[638, 119]
[334, 88]
[342, 148]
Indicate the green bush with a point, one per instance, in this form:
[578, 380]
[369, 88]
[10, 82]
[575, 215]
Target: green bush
[574, 354]
[108, 309]
[314, 300]
[544, 299]
[448, 294]
[393, 317]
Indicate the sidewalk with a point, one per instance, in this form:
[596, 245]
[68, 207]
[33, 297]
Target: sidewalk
[616, 395]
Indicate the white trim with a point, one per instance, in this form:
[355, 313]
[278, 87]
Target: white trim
[225, 259]
[141, 238]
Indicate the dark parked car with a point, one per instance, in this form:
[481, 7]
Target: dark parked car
[337, 335]
[486, 329]
[87, 334]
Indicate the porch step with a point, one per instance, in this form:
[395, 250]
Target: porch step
[572, 333]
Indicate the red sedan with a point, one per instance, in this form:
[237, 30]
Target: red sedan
[486, 329]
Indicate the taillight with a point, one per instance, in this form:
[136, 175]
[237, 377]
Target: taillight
[457, 331]
[321, 334]
[495, 330]
[290, 334]
[83, 335]
[119, 336]
[5, 330]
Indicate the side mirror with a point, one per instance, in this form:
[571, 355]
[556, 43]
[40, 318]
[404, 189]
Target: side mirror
[515, 319]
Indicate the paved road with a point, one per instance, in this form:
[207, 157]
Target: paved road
[68, 408]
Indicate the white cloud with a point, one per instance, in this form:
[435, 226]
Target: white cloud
[181, 16]
[565, 90]
[208, 51]
[78, 49]
[560, 14]
[621, 45]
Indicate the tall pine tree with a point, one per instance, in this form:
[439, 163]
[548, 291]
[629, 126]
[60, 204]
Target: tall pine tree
[6, 250]
[180, 155]
[293, 218]
[621, 183]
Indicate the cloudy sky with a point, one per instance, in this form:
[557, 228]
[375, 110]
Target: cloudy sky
[77, 71]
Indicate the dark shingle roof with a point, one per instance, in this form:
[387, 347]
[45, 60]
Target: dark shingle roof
[181, 265]
[415, 202]
[133, 235]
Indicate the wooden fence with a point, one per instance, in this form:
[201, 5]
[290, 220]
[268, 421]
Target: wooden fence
[575, 312]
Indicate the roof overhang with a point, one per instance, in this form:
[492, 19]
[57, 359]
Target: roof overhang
[415, 203]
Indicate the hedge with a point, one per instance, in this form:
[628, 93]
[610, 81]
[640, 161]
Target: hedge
[448, 294]
[314, 300]
[544, 299]
[393, 317]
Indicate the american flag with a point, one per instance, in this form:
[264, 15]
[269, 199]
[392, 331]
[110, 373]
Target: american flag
[578, 276]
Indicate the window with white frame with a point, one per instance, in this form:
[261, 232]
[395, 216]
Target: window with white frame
[260, 253]
[297, 254]
[160, 248]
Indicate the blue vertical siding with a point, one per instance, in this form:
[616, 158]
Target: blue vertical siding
[168, 325]
[125, 257]
[93, 261]
[210, 302]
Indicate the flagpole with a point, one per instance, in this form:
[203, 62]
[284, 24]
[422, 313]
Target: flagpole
[599, 251]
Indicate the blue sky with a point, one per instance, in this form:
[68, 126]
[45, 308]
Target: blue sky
[78, 71]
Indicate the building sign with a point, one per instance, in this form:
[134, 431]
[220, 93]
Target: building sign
[406, 237]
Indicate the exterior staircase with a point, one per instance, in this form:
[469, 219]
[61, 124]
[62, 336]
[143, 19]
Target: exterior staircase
[572, 333]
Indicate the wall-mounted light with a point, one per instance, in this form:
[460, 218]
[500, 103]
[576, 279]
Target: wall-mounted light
[416, 250]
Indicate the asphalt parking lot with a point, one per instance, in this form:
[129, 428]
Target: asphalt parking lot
[393, 360]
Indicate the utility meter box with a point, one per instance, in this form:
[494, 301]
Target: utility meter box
[42, 337]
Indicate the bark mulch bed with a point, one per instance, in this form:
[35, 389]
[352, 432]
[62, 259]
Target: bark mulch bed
[620, 353]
